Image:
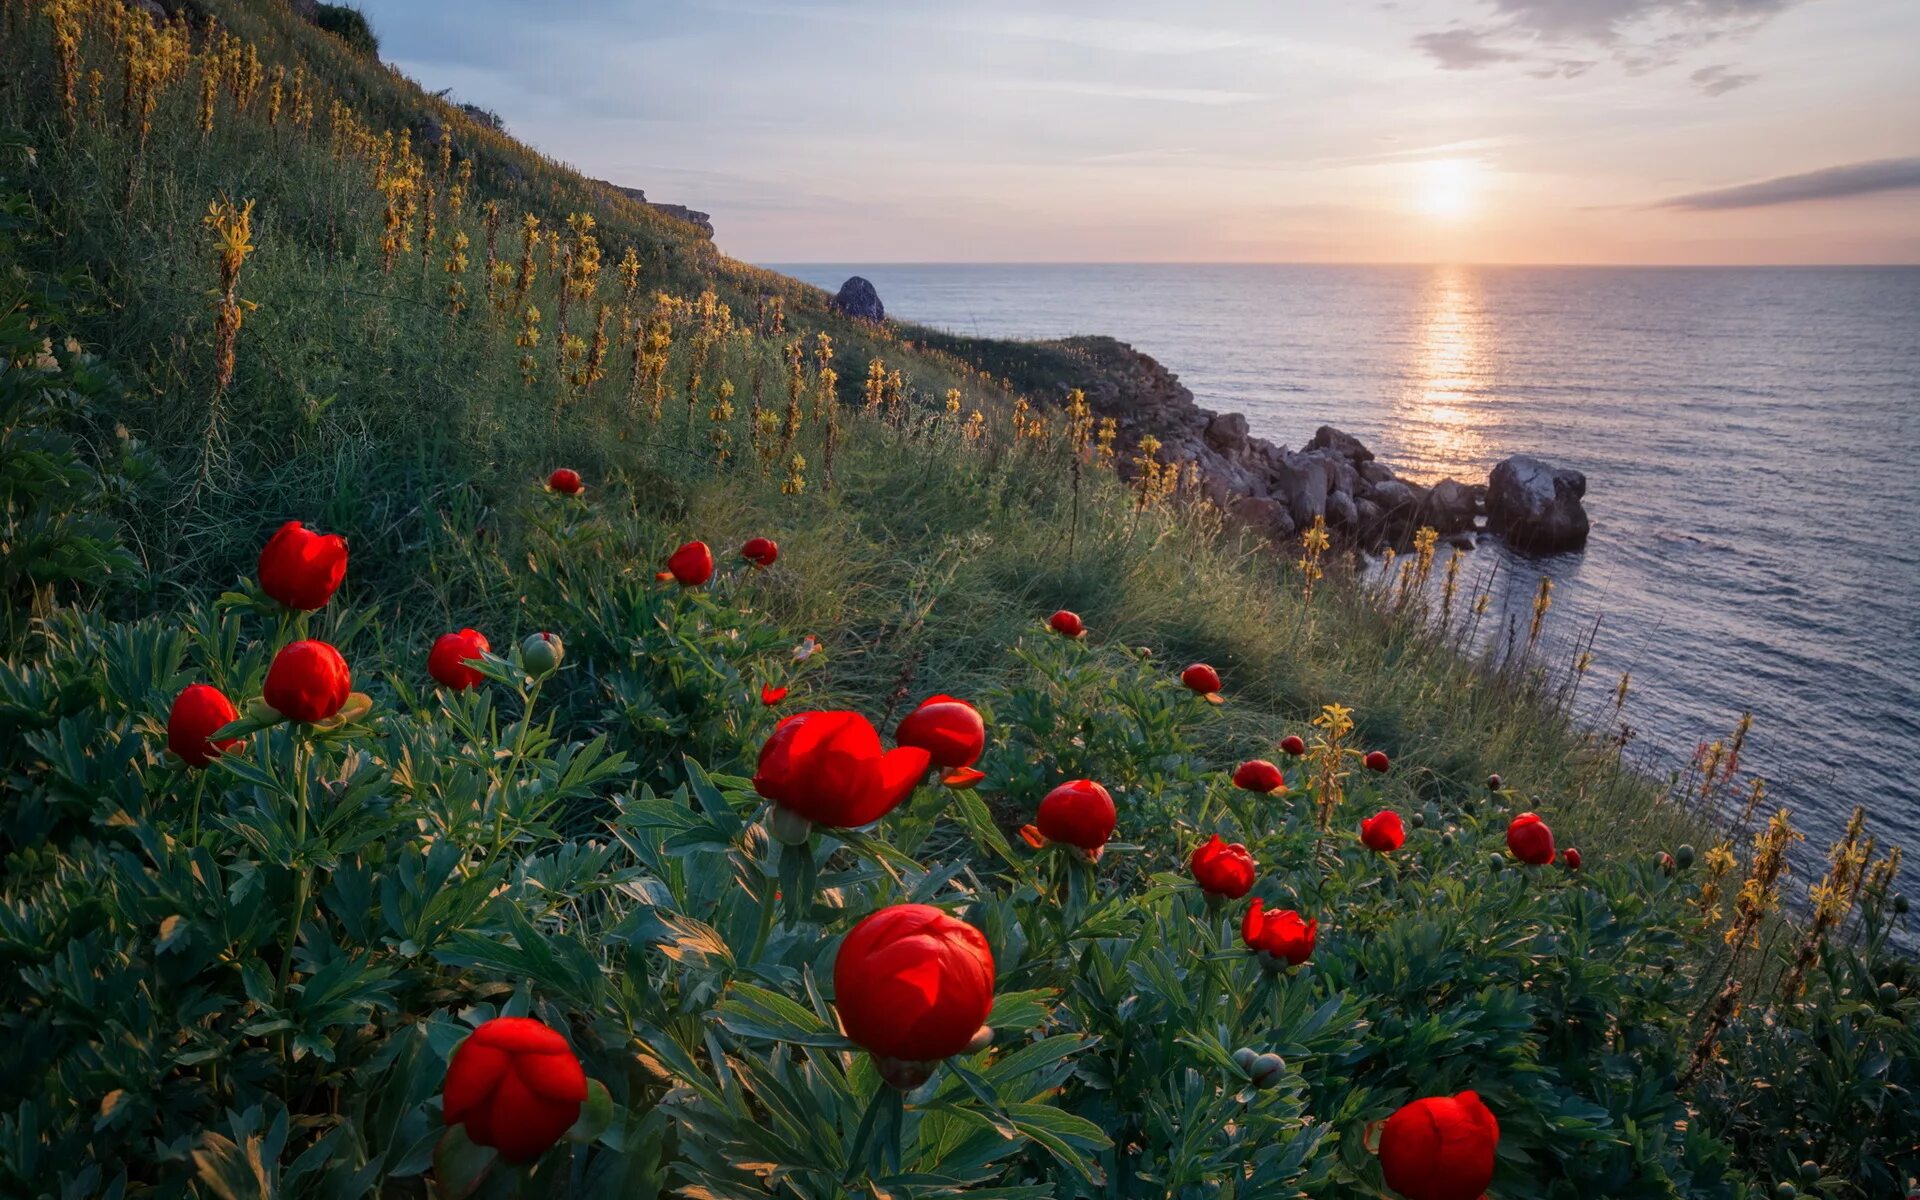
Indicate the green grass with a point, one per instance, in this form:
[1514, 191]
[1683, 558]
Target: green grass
[363, 405]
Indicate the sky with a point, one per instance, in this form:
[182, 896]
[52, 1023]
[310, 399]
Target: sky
[1535, 131]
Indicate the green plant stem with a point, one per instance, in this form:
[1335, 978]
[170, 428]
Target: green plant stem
[303, 880]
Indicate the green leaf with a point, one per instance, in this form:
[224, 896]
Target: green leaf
[459, 1166]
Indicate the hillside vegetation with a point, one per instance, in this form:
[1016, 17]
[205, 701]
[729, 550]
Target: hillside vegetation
[253, 933]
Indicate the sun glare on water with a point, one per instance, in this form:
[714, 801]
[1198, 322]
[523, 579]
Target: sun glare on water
[1445, 188]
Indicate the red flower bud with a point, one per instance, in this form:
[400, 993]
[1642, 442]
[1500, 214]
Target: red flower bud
[1530, 840]
[1376, 760]
[1202, 679]
[1080, 813]
[1221, 869]
[447, 661]
[1282, 934]
[770, 695]
[517, 1087]
[962, 779]
[949, 730]
[301, 568]
[1066, 624]
[1293, 745]
[1383, 831]
[308, 681]
[566, 481]
[1440, 1148]
[1573, 859]
[913, 983]
[1259, 775]
[828, 767]
[691, 565]
[199, 712]
[761, 552]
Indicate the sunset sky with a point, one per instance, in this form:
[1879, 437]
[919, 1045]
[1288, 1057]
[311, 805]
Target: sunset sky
[1594, 131]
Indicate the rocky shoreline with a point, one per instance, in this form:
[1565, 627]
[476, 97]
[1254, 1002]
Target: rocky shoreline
[1531, 504]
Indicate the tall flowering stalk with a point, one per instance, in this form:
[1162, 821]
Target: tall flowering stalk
[1313, 544]
[1759, 896]
[232, 226]
[1327, 761]
[455, 269]
[1833, 899]
[1542, 601]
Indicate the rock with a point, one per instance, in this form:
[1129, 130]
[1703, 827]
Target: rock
[428, 133]
[1461, 541]
[1393, 497]
[487, 117]
[1302, 482]
[856, 298]
[679, 212]
[1450, 507]
[1267, 515]
[1536, 506]
[1370, 517]
[1342, 513]
[157, 11]
[1345, 445]
[1227, 432]
[1375, 472]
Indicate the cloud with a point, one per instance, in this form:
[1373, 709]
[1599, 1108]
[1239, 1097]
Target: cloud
[1462, 49]
[1828, 183]
[1641, 35]
[1721, 79]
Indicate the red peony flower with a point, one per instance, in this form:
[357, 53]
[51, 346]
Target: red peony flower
[761, 552]
[197, 714]
[301, 568]
[770, 695]
[1440, 1148]
[1221, 869]
[949, 730]
[1066, 624]
[1383, 831]
[1203, 680]
[1259, 775]
[1530, 840]
[1080, 813]
[1282, 934]
[308, 681]
[517, 1087]
[1376, 760]
[1293, 745]
[566, 481]
[1573, 859]
[829, 768]
[691, 565]
[913, 983]
[447, 661]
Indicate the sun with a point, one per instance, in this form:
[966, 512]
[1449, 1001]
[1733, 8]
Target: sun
[1446, 188]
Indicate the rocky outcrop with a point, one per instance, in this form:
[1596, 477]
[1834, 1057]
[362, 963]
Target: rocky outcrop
[679, 212]
[1535, 506]
[858, 299]
[1334, 475]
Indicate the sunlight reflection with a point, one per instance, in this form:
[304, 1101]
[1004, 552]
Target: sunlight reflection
[1439, 412]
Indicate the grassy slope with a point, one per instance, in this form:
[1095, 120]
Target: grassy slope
[360, 406]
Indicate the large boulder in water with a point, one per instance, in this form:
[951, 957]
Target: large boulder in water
[857, 299]
[1536, 506]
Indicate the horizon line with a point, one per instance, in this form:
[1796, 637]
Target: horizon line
[1281, 262]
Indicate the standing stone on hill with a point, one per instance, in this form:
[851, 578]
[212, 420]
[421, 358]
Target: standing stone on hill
[1536, 506]
[858, 300]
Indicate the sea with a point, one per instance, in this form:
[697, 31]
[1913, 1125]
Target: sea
[1750, 438]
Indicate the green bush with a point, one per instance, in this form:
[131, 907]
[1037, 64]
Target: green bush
[350, 25]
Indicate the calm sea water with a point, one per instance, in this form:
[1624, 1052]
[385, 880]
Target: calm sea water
[1751, 440]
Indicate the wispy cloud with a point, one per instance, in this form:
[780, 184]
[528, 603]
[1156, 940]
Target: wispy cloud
[1463, 49]
[1641, 35]
[1828, 183]
[1721, 79]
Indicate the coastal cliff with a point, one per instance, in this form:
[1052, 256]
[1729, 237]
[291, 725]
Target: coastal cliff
[1533, 505]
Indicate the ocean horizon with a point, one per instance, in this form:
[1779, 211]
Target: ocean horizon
[1748, 436]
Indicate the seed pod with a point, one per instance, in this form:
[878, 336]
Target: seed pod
[1683, 856]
